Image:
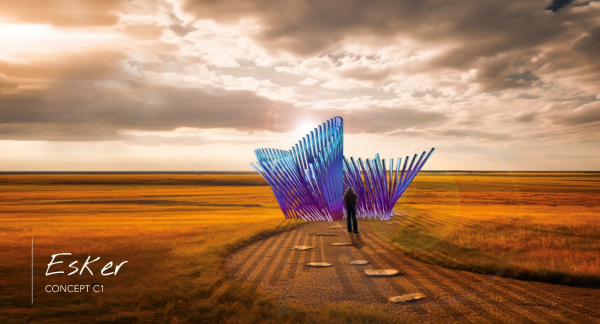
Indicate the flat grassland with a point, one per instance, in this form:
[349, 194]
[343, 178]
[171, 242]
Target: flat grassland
[535, 226]
[174, 229]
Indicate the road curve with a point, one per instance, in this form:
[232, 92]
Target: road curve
[452, 295]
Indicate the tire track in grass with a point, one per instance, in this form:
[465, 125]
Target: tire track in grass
[341, 274]
[500, 293]
[220, 290]
[419, 222]
[292, 262]
[482, 222]
[245, 255]
[255, 269]
[260, 258]
[434, 221]
[427, 286]
[296, 266]
[250, 253]
[462, 220]
[478, 280]
[318, 256]
[550, 317]
[397, 286]
[458, 286]
[288, 253]
[352, 278]
[249, 256]
[402, 216]
[537, 291]
[351, 252]
[323, 258]
[278, 251]
[446, 221]
[415, 276]
[458, 220]
[471, 297]
[311, 252]
[533, 294]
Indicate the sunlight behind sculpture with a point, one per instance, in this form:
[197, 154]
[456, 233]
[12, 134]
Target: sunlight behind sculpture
[309, 180]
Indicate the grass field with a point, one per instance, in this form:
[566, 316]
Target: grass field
[172, 229]
[538, 226]
[175, 229]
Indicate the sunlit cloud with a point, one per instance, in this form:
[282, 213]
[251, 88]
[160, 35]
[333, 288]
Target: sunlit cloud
[161, 85]
[24, 43]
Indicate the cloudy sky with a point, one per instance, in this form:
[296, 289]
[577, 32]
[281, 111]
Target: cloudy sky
[198, 85]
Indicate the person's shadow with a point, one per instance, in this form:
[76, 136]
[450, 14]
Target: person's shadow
[357, 241]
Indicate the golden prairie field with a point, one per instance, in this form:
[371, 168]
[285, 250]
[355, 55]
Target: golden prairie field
[174, 229]
[539, 226]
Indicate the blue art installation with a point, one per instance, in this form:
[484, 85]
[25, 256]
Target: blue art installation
[309, 180]
[378, 188]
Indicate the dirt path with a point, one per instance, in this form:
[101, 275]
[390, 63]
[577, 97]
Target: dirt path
[452, 295]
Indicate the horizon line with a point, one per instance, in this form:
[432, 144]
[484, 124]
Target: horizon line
[254, 172]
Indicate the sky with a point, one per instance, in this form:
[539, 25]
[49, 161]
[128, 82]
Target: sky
[188, 85]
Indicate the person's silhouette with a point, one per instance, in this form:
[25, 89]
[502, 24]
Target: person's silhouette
[350, 199]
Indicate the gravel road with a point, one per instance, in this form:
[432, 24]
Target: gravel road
[452, 295]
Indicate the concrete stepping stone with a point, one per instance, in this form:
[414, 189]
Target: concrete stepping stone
[359, 262]
[319, 264]
[324, 234]
[406, 298]
[382, 273]
[302, 247]
[341, 244]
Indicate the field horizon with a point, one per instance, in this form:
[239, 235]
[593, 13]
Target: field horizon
[254, 172]
[176, 231]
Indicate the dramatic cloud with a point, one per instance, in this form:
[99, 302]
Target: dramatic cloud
[81, 113]
[557, 4]
[469, 77]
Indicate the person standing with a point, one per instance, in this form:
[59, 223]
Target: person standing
[350, 200]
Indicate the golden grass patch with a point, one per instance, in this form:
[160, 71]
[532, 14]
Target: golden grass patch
[539, 226]
[172, 230]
